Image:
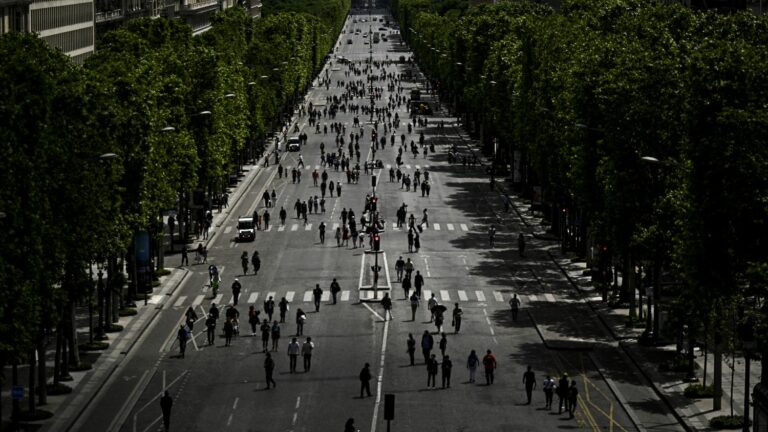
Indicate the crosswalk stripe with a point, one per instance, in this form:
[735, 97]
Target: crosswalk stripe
[480, 295]
[308, 227]
[180, 301]
[228, 229]
[533, 298]
[317, 167]
[463, 296]
[389, 166]
[550, 298]
[436, 226]
[156, 299]
[326, 296]
[427, 294]
[449, 226]
[289, 295]
[335, 226]
[307, 296]
[345, 295]
[499, 296]
[295, 227]
[198, 300]
[281, 228]
[464, 227]
[445, 296]
[366, 295]
[218, 299]
[408, 167]
[417, 167]
[269, 228]
[252, 298]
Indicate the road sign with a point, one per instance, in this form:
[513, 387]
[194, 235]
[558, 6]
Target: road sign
[17, 393]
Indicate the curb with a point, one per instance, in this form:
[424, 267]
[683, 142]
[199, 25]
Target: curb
[563, 346]
[618, 395]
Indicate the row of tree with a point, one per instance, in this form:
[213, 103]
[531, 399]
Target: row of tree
[644, 125]
[89, 156]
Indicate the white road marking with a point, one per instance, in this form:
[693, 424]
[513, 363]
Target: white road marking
[295, 227]
[229, 420]
[180, 301]
[281, 228]
[234, 405]
[252, 298]
[380, 379]
[307, 296]
[464, 227]
[228, 229]
[436, 226]
[326, 296]
[449, 226]
[445, 296]
[550, 298]
[480, 296]
[218, 299]
[463, 296]
[289, 296]
[427, 293]
[336, 225]
[345, 295]
[499, 296]
[272, 294]
[269, 228]
[156, 299]
[308, 227]
[408, 167]
[533, 298]
[198, 300]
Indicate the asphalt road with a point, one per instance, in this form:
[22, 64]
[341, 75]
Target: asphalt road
[223, 388]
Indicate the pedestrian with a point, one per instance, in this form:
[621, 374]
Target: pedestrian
[386, 303]
[229, 330]
[338, 237]
[521, 245]
[573, 398]
[214, 311]
[293, 353]
[472, 363]
[275, 333]
[284, 307]
[410, 240]
[256, 262]
[446, 367]
[322, 232]
[492, 236]
[269, 368]
[265, 329]
[418, 282]
[317, 293]
[443, 344]
[417, 243]
[549, 386]
[456, 322]
[349, 426]
[191, 318]
[335, 289]
[236, 288]
[432, 367]
[182, 335]
[431, 303]
[184, 256]
[514, 304]
[166, 403]
[253, 319]
[399, 267]
[427, 342]
[414, 306]
[306, 352]
[411, 348]
[406, 284]
[269, 307]
[529, 380]
[301, 318]
[365, 380]
[562, 394]
[489, 363]
[210, 325]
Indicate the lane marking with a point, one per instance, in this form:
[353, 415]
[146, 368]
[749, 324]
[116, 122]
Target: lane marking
[436, 226]
[272, 294]
[252, 298]
[307, 296]
[464, 227]
[289, 295]
[499, 296]
[326, 296]
[336, 225]
[449, 226]
[198, 300]
[281, 228]
[228, 229]
[550, 298]
[234, 405]
[156, 299]
[308, 227]
[269, 228]
[180, 301]
[345, 295]
[295, 227]
[427, 293]
[381, 376]
[218, 299]
[533, 298]
[444, 296]
[463, 295]
[480, 296]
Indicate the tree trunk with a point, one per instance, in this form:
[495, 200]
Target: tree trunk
[74, 352]
[42, 372]
[59, 343]
[717, 403]
[32, 369]
[16, 405]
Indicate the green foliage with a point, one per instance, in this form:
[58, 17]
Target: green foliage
[727, 422]
[699, 391]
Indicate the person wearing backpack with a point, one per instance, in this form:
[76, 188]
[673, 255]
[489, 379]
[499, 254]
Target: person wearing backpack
[489, 363]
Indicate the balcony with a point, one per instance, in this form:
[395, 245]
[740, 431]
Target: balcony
[196, 6]
[112, 15]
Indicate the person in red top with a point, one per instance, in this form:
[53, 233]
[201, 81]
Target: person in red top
[489, 362]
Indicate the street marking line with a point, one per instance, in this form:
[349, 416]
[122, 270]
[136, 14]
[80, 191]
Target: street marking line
[335, 226]
[295, 227]
[436, 226]
[480, 295]
[345, 295]
[307, 296]
[252, 298]
[234, 405]
[281, 228]
[550, 298]
[180, 301]
[308, 227]
[449, 226]
[198, 300]
[289, 296]
[532, 298]
[498, 296]
[271, 294]
[427, 294]
[326, 296]
[228, 229]
[464, 227]
[381, 376]
[463, 296]
[269, 228]
[218, 299]
[156, 299]
[444, 296]
[417, 166]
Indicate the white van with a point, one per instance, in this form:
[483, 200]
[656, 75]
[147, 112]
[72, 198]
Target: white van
[245, 229]
[294, 144]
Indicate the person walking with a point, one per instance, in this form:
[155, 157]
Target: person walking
[427, 342]
[443, 344]
[489, 363]
[411, 342]
[456, 321]
[529, 380]
[229, 330]
[306, 353]
[236, 288]
[275, 333]
[446, 366]
[269, 368]
[432, 367]
[414, 306]
[472, 363]
[399, 268]
[301, 318]
[514, 304]
[409, 271]
[549, 388]
[386, 303]
[406, 284]
[293, 353]
[562, 394]
[365, 380]
[317, 293]
[255, 262]
[269, 307]
[418, 282]
[166, 404]
[431, 303]
[210, 326]
[265, 329]
[182, 335]
[283, 306]
[184, 256]
[521, 245]
[253, 319]
[349, 426]
[190, 318]
[573, 399]
[335, 289]
[322, 232]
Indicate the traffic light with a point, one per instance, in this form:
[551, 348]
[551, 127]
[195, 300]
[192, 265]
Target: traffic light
[374, 200]
[376, 242]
